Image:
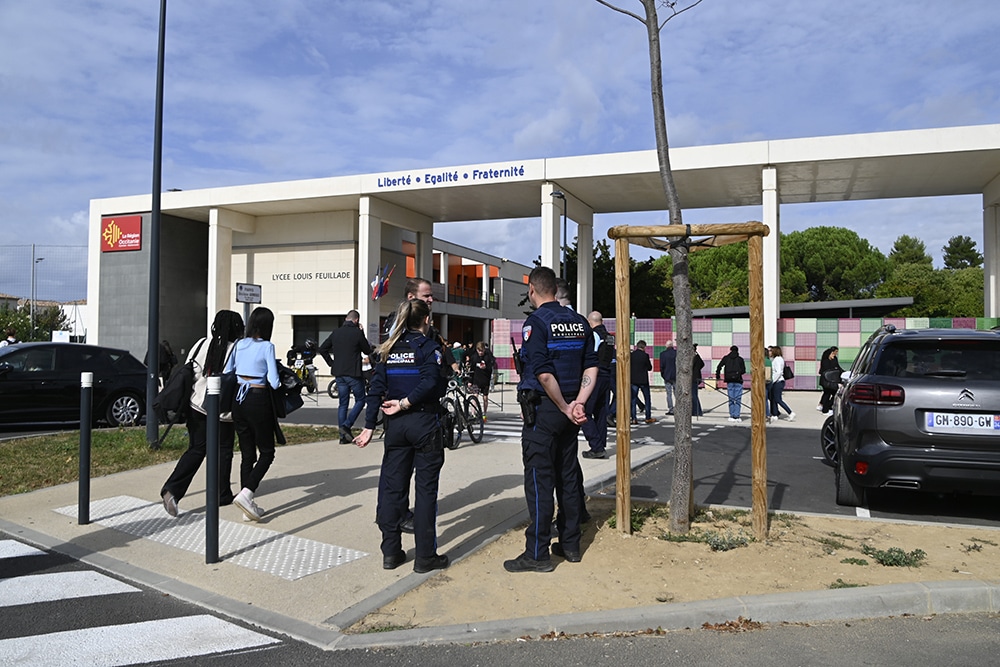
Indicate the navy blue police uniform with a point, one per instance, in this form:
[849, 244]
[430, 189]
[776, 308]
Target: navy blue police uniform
[556, 341]
[595, 429]
[412, 370]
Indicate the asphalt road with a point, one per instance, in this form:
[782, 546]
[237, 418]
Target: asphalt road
[96, 619]
[798, 479]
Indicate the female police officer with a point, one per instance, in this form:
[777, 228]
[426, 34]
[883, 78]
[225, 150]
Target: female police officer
[408, 385]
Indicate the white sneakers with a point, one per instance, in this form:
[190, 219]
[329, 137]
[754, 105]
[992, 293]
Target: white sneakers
[735, 420]
[170, 503]
[819, 408]
[244, 500]
[773, 419]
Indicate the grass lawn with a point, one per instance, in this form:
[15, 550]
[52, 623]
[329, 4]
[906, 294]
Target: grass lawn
[46, 460]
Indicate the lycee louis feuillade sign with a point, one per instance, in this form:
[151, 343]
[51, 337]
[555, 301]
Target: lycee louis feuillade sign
[122, 232]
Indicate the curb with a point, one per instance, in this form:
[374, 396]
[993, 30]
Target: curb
[941, 597]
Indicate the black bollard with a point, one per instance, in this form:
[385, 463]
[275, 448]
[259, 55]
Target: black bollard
[212, 470]
[86, 407]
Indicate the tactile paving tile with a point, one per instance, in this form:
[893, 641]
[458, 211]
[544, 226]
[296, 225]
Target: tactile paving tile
[275, 553]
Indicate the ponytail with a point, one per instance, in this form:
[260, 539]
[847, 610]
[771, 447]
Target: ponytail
[409, 316]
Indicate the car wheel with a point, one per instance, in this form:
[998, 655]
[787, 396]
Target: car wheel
[849, 494]
[124, 410]
[828, 442]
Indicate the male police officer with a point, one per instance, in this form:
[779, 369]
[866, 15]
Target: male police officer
[560, 367]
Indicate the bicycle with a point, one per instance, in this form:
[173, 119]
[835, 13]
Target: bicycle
[466, 412]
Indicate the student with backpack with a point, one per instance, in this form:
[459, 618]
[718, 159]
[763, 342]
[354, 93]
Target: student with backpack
[208, 357]
[731, 370]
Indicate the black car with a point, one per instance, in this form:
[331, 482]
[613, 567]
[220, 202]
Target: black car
[40, 383]
[919, 410]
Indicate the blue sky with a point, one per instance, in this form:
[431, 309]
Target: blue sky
[290, 89]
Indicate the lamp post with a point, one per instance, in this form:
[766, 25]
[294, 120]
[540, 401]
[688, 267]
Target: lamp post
[34, 263]
[558, 194]
[153, 312]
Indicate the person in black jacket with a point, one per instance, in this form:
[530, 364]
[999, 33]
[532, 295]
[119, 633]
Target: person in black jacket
[208, 356]
[348, 343]
[595, 429]
[731, 370]
[697, 364]
[482, 362]
[641, 365]
[668, 371]
[828, 362]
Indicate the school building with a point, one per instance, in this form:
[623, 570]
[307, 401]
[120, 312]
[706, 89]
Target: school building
[311, 248]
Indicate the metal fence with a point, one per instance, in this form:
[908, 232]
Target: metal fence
[43, 272]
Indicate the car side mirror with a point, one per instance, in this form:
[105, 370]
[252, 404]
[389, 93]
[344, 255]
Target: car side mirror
[4, 369]
[834, 376]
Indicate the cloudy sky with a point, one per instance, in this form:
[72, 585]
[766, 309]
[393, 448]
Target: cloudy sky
[292, 89]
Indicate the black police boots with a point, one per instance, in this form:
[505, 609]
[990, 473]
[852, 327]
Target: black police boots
[424, 565]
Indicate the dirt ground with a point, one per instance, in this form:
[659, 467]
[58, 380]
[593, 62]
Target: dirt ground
[619, 571]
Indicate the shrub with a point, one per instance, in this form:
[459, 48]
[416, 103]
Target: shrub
[894, 556]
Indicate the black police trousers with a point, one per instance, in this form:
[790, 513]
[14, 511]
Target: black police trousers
[549, 452]
[407, 436]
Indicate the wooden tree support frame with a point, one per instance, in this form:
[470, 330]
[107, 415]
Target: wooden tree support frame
[661, 238]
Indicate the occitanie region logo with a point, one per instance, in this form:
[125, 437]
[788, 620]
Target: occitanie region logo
[121, 233]
[112, 233]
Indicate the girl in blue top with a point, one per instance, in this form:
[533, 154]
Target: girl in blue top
[253, 360]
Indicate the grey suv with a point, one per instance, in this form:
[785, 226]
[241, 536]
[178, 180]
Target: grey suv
[920, 410]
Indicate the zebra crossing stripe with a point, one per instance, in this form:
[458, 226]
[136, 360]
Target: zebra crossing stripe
[58, 586]
[15, 549]
[133, 643]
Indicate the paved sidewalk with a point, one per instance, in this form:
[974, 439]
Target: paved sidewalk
[312, 567]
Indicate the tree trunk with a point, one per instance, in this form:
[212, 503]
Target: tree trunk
[681, 507]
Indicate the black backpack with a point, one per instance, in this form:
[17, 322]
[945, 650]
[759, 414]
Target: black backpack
[173, 402]
[606, 351]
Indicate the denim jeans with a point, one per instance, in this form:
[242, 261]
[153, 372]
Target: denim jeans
[777, 388]
[735, 392]
[644, 388]
[346, 386]
[669, 388]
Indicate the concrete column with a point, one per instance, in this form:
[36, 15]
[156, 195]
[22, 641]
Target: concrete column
[772, 255]
[585, 261]
[94, 274]
[991, 261]
[551, 220]
[485, 332]
[221, 284]
[424, 259]
[445, 278]
[991, 248]
[369, 258]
